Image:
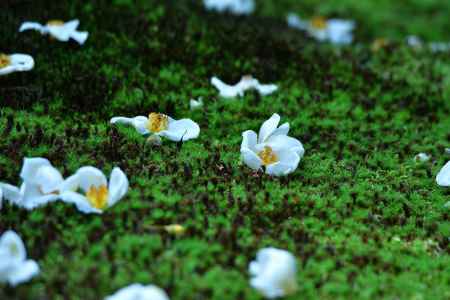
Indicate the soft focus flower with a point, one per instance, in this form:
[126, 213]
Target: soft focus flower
[58, 30]
[336, 31]
[237, 7]
[175, 229]
[89, 190]
[41, 184]
[274, 273]
[439, 47]
[162, 125]
[272, 148]
[447, 150]
[138, 291]
[196, 104]
[422, 157]
[443, 177]
[414, 41]
[15, 63]
[14, 266]
[246, 83]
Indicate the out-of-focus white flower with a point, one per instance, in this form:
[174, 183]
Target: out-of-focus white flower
[336, 31]
[447, 150]
[88, 189]
[246, 83]
[196, 104]
[237, 7]
[15, 63]
[274, 273]
[439, 47]
[58, 30]
[162, 125]
[14, 266]
[1, 197]
[422, 157]
[443, 177]
[414, 41]
[272, 148]
[138, 291]
[41, 184]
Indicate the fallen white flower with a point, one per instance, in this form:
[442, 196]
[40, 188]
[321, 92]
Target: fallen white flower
[272, 148]
[88, 189]
[41, 183]
[15, 63]
[443, 177]
[274, 273]
[58, 30]
[196, 104]
[439, 47]
[162, 125]
[336, 31]
[138, 291]
[14, 266]
[422, 157]
[237, 7]
[246, 83]
[447, 150]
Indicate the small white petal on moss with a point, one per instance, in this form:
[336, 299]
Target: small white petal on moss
[195, 104]
[14, 266]
[58, 30]
[245, 84]
[138, 291]
[274, 273]
[237, 7]
[443, 177]
[15, 63]
[422, 157]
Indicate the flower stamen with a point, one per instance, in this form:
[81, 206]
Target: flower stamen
[98, 196]
[5, 60]
[55, 23]
[267, 156]
[319, 23]
[157, 122]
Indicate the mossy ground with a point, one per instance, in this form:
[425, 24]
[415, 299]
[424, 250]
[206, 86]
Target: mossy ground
[364, 220]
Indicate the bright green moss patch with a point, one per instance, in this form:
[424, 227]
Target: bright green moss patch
[363, 219]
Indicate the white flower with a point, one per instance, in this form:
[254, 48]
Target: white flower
[443, 177]
[14, 267]
[273, 149]
[41, 183]
[58, 30]
[439, 46]
[88, 189]
[422, 157]
[447, 150]
[274, 273]
[414, 41]
[246, 83]
[162, 125]
[336, 31]
[138, 291]
[15, 63]
[237, 7]
[196, 104]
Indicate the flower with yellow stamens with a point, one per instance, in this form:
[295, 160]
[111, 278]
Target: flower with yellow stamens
[15, 63]
[90, 191]
[272, 149]
[160, 125]
[62, 31]
[319, 23]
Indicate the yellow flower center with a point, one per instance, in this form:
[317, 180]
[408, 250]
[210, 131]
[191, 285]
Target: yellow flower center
[5, 60]
[157, 122]
[55, 23]
[98, 196]
[379, 44]
[319, 23]
[267, 156]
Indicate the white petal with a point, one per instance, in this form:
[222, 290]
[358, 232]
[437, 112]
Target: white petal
[282, 130]
[12, 246]
[31, 26]
[268, 127]
[249, 140]
[288, 162]
[59, 32]
[279, 142]
[11, 193]
[71, 184]
[294, 21]
[237, 7]
[118, 186]
[340, 31]
[33, 197]
[23, 272]
[181, 130]
[422, 157]
[225, 90]
[195, 104]
[80, 36]
[138, 291]
[48, 179]
[21, 62]
[71, 25]
[139, 122]
[80, 201]
[31, 166]
[90, 176]
[266, 89]
[251, 159]
[443, 177]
